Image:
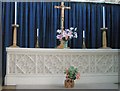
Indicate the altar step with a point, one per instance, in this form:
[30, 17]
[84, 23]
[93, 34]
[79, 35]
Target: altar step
[60, 87]
[77, 86]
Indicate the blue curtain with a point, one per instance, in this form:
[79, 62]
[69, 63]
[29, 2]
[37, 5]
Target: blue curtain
[43, 15]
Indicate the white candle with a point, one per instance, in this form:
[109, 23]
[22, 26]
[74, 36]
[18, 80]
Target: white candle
[103, 17]
[83, 34]
[37, 32]
[15, 13]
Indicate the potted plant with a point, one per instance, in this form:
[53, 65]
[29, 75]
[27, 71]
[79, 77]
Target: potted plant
[71, 75]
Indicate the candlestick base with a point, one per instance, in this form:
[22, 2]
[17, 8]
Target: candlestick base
[14, 36]
[104, 39]
[104, 48]
[37, 44]
[14, 46]
[83, 45]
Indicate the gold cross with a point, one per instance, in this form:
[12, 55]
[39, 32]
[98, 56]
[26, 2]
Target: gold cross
[62, 7]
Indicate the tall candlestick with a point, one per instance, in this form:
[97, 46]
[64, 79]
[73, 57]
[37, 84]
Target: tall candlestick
[103, 17]
[83, 34]
[37, 32]
[15, 13]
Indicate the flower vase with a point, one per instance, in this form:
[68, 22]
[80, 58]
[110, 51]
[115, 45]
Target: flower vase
[69, 83]
[65, 44]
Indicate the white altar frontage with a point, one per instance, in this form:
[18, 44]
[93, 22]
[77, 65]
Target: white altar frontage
[46, 66]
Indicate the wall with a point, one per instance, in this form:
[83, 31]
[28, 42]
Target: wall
[0, 46]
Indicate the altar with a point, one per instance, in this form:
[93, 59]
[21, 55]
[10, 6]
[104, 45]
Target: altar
[46, 66]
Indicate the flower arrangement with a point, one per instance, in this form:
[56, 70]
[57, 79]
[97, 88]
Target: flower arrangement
[67, 34]
[72, 73]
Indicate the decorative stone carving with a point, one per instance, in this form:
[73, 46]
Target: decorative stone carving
[55, 64]
[28, 61]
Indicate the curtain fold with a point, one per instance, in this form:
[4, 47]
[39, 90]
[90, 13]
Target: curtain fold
[43, 15]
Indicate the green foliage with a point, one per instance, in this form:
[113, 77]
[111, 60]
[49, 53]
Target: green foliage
[71, 72]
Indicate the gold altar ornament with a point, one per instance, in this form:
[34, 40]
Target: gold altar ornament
[62, 7]
[104, 38]
[37, 43]
[15, 25]
[15, 35]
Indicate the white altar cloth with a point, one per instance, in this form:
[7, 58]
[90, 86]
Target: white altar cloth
[46, 66]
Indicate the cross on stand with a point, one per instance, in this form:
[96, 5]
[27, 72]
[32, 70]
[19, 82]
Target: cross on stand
[62, 7]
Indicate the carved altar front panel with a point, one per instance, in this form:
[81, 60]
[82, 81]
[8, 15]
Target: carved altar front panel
[52, 62]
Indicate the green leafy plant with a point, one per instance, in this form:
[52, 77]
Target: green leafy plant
[72, 73]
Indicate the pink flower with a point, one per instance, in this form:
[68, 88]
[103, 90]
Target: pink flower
[64, 34]
[66, 38]
[59, 36]
[77, 75]
[67, 34]
[66, 70]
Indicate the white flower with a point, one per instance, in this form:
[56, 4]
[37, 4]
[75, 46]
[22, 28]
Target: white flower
[75, 29]
[59, 31]
[71, 28]
[75, 35]
[67, 30]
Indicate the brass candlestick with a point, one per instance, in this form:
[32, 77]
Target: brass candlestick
[83, 45]
[104, 38]
[15, 35]
[37, 43]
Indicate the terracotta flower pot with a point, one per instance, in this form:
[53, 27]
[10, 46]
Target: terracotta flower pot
[69, 83]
